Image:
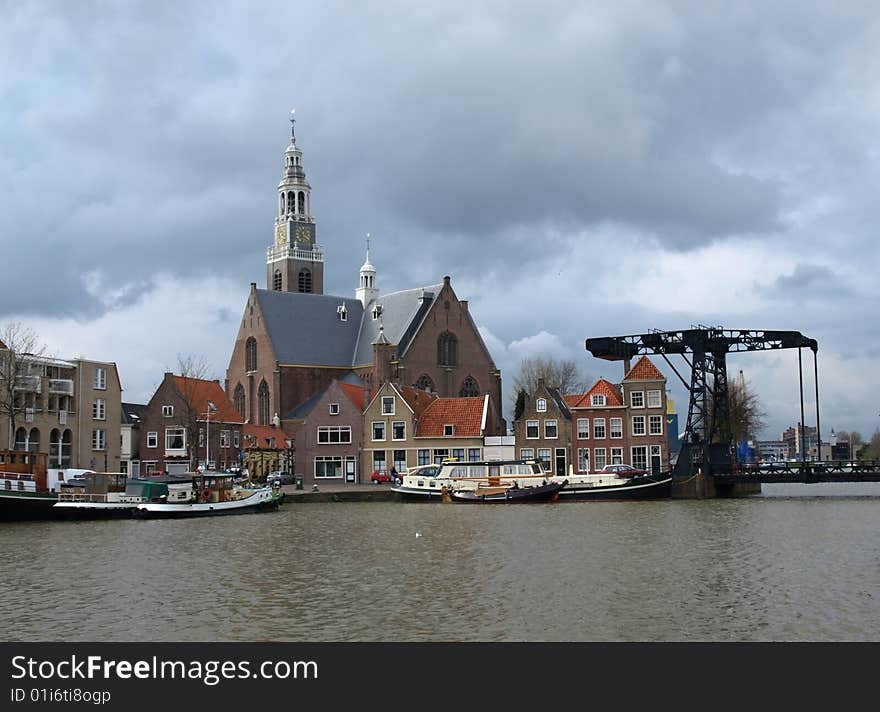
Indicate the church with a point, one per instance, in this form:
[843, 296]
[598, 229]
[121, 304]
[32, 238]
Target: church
[294, 339]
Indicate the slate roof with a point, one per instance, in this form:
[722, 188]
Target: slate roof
[561, 402]
[132, 413]
[333, 342]
[644, 370]
[466, 414]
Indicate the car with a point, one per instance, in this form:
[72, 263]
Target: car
[381, 476]
[280, 477]
[622, 471]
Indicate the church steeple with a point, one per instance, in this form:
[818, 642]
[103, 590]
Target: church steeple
[367, 291]
[295, 263]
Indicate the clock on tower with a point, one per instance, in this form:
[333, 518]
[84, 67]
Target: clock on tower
[281, 235]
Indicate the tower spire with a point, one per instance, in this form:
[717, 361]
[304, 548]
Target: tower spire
[367, 291]
[293, 126]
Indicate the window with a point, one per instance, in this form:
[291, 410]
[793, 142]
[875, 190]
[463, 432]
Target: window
[599, 428]
[236, 439]
[153, 439]
[99, 409]
[447, 349]
[532, 429]
[334, 409]
[550, 429]
[440, 454]
[276, 280]
[638, 425]
[469, 388]
[637, 399]
[599, 458]
[330, 434]
[598, 400]
[583, 459]
[640, 457]
[250, 354]
[448, 431]
[654, 399]
[305, 281]
[400, 461]
[617, 456]
[583, 428]
[424, 457]
[425, 384]
[616, 428]
[655, 424]
[398, 430]
[379, 430]
[224, 438]
[328, 467]
[379, 460]
[458, 454]
[238, 399]
[100, 382]
[263, 401]
[201, 437]
[541, 405]
[175, 438]
[526, 453]
[544, 458]
[99, 439]
[473, 454]
[342, 313]
[387, 405]
[167, 411]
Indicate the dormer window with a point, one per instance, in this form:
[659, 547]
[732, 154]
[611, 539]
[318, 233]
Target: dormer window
[377, 311]
[448, 431]
[342, 313]
[598, 400]
[541, 405]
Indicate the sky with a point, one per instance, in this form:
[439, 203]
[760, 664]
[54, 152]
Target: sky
[579, 169]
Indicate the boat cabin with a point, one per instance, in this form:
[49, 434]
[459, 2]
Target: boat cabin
[23, 470]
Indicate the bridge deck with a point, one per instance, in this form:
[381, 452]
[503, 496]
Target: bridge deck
[807, 472]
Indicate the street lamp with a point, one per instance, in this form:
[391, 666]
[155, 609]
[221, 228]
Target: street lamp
[211, 409]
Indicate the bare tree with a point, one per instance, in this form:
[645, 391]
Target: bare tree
[872, 450]
[747, 418]
[193, 368]
[562, 374]
[20, 350]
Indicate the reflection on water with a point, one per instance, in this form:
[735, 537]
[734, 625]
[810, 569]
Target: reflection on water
[771, 567]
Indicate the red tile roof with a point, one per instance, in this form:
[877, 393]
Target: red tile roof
[644, 370]
[358, 395]
[572, 399]
[600, 387]
[197, 392]
[466, 414]
[416, 399]
[263, 437]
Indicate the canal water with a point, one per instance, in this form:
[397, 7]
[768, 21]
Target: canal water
[796, 563]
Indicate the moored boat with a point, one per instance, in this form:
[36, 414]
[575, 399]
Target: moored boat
[428, 483]
[25, 491]
[112, 494]
[605, 486]
[509, 494]
[213, 495]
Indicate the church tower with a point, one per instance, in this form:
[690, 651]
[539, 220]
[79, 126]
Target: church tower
[367, 291]
[295, 262]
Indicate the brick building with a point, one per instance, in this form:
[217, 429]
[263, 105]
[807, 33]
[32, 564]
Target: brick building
[543, 430]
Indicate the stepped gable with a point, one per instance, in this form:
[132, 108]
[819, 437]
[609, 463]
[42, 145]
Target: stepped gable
[644, 370]
[466, 414]
[198, 392]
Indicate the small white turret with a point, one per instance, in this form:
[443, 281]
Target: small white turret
[367, 291]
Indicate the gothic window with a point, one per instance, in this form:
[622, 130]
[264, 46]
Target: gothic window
[263, 399]
[250, 354]
[305, 281]
[447, 349]
[290, 202]
[425, 383]
[469, 388]
[238, 399]
[301, 204]
[276, 280]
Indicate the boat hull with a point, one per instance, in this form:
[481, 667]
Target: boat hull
[260, 501]
[412, 494]
[93, 510]
[541, 493]
[27, 506]
[636, 488]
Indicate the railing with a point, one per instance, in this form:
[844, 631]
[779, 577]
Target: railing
[278, 253]
[61, 386]
[32, 384]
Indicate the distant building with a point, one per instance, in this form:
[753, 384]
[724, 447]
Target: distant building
[771, 450]
[800, 439]
[129, 452]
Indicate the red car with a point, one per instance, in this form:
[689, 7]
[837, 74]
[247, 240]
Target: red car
[622, 471]
[381, 476]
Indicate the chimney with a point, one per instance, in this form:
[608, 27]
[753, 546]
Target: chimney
[627, 365]
[464, 304]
